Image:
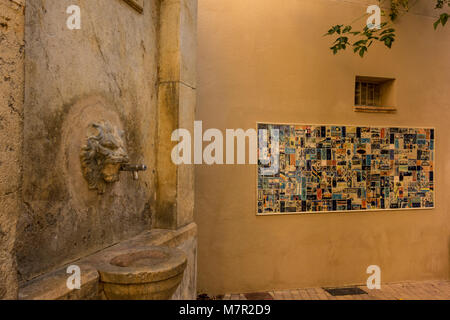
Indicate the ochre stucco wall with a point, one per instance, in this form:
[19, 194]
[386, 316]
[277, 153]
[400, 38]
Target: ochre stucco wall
[267, 60]
[12, 23]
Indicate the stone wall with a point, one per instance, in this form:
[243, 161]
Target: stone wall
[107, 70]
[126, 66]
[11, 121]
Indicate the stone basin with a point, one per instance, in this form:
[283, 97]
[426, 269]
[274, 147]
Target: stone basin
[147, 273]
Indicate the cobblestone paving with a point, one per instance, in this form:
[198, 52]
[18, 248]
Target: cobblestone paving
[424, 290]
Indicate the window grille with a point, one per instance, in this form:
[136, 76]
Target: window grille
[367, 94]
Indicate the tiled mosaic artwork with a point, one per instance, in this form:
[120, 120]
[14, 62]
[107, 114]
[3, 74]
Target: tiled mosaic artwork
[340, 168]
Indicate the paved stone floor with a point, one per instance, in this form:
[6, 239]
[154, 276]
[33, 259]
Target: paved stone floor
[424, 290]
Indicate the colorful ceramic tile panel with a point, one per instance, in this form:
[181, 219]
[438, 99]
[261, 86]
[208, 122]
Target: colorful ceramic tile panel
[314, 168]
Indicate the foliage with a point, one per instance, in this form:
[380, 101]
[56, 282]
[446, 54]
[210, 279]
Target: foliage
[362, 40]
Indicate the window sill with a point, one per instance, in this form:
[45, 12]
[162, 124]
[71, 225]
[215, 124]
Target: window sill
[374, 109]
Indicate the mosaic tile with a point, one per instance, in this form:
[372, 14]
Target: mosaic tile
[323, 168]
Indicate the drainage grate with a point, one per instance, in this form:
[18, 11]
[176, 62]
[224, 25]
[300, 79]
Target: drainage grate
[344, 291]
[258, 296]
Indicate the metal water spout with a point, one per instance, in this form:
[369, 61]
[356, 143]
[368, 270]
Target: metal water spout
[134, 169]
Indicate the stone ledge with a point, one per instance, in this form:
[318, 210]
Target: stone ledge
[52, 286]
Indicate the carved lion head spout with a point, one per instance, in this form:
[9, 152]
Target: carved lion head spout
[103, 155]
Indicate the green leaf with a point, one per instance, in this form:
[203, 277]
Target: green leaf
[436, 23]
[388, 42]
[388, 31]
[362, 51]
[444, 18]
[347, 29]
[360, 42]
[334, 29]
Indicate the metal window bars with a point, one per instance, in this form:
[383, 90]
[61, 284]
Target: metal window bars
[367, 94]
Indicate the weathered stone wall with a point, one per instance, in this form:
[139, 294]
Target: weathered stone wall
[106, 70]
[11, 115]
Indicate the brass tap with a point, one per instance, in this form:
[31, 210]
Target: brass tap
[134, 168]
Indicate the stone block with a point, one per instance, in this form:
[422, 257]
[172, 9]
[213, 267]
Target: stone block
[175, 183]
[178, 41]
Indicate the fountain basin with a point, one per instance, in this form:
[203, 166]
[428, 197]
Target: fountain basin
[146, 273]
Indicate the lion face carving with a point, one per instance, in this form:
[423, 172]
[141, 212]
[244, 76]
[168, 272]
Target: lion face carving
[103, 155]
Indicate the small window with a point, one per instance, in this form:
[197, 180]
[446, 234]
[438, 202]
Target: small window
[367, 94]
[374, 94]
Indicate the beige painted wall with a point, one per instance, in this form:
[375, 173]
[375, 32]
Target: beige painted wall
[266, 60]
